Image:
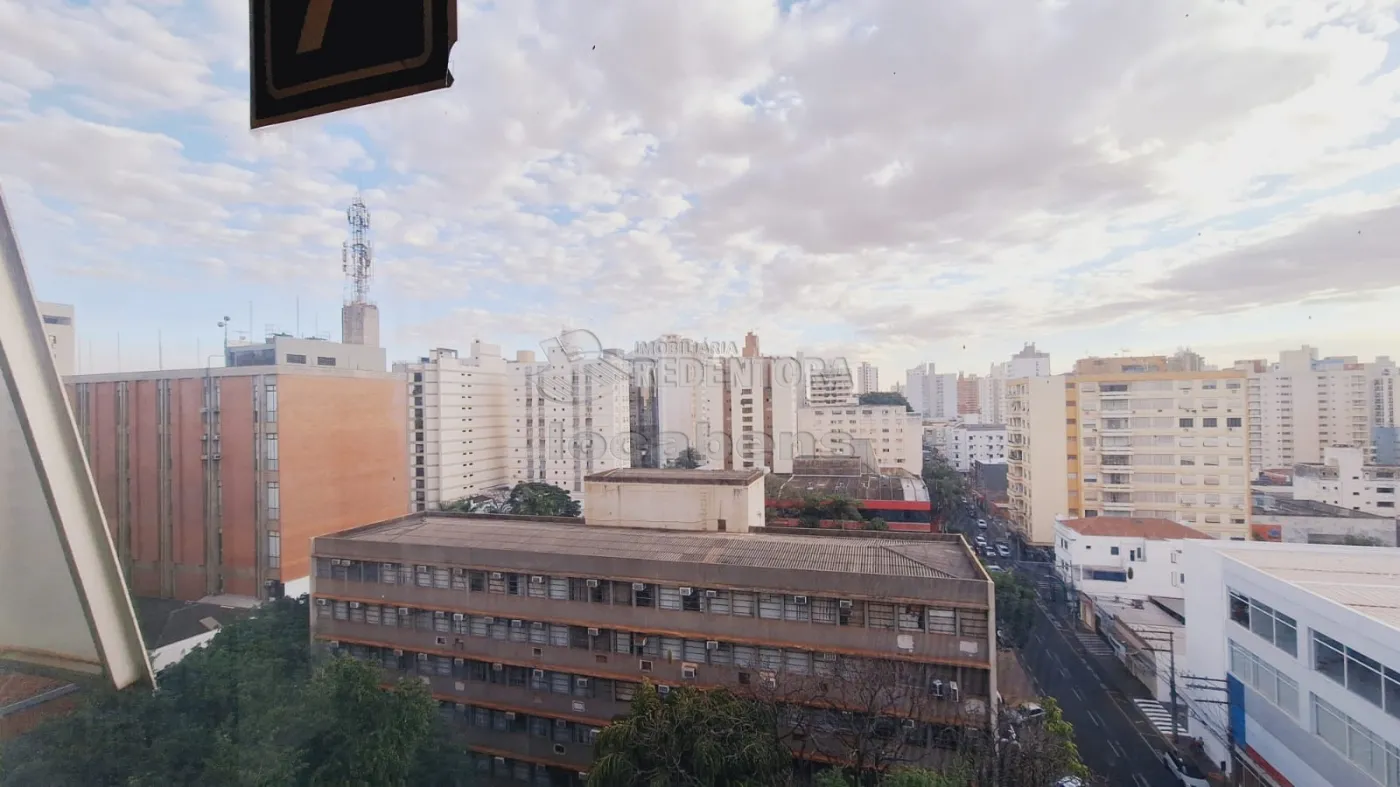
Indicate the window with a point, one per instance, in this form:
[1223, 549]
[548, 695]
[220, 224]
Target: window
[1361, 674]
[296, 358]
[274, 549]
[1113, 550]
[1234, 422]
[322, 360]
[1210, 422]
[1277, 628]
[1186, 423]
[274, 500]
[270, 452]
[270, 403]
[1276, 687]
[1367, 750]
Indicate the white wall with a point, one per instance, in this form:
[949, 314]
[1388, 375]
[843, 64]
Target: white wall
[977, 443]
[61, 334]
[1356, 486]
[690, 506]
[895, 435]
[1156, 565]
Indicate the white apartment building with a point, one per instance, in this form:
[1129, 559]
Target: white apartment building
[58, 330]
[1123, 557]
[931, 394]
[894, 434]
[738, 412]
[828, 385]
[867, 379]
[1141, 444]
[1302, 405]
[1344, 480]
[1294, 661]
[972, 442]
[991, 389]
[480, 423]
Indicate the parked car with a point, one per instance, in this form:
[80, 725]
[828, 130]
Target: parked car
[981, 524]
[1003, 550]
[981, 541]
[1070, 781]
[994, 569]
[1184, 771]
[1029, 713]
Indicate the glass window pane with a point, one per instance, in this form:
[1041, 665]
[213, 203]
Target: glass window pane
[1362, 678]
[1329, 725]
[1328, 658]
[1286, 634]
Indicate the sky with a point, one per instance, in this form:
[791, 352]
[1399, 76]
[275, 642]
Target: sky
[876, 180]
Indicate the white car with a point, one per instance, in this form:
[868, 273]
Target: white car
[982, 524]
[1184, 771]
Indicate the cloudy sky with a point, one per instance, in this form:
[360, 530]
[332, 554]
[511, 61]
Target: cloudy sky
[883, 180]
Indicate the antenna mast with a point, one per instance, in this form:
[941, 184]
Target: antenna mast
[357, 254]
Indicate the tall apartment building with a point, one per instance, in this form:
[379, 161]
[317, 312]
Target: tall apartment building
[482, 423]
[931, 394]
[1343, 479]
[968, 399]
[1294, 662]
[895, 435]
[215, 480]
[977, 443]
[1129, 443]
[58, 329]
[534, 634]
[991, 389]
[867, 379]
[738, 412]
[1302, 405]
[830, 385]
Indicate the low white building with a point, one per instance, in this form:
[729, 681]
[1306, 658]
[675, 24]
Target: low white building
[1310, 522]
[59, 332]
[895, 435]
[977, 443]
[1292, 673]
[1343, 479]
[1122, 557]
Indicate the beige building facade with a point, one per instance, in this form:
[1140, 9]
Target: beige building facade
[895, 435]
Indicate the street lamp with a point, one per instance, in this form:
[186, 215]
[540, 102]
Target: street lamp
[224, 323]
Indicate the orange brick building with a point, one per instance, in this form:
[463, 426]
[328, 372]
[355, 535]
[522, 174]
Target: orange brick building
[215, 480]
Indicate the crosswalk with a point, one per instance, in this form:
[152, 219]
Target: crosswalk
[1094, 644]
[1159, 716]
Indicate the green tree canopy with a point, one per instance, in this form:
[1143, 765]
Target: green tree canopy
[691, 738]
[1015, 606]
[687, 459]
[536, 498]
[887, 398]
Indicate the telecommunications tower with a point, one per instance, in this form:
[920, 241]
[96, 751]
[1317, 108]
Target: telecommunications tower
[359, 319]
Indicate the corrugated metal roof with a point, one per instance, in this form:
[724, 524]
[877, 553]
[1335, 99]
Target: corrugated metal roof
[1365, 579]
[874, 556]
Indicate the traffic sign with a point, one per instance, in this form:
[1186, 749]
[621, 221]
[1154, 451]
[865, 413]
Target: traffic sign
[311, 57]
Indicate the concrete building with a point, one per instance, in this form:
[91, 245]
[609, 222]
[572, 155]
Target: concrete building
[977, 444]
[215, 480]
[1143, 444]
[895, 435]
[737, 412]
[1122, 557]
[867, 379]
[1283, 519]
[830, 385]
[1294, 661]
[968, 394]
[61, 335]
[1302, 405]
[534, 634]
[931, 394]
[281, 349]
[991, 389]
[1343, 479]
[1147, 634]
[899, 497]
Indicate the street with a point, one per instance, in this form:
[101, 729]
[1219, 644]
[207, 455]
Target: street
[1115, 741]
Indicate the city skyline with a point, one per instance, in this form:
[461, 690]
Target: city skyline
[1069, 204]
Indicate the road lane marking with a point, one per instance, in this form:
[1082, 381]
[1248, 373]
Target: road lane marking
[1117, 749]
[1077, 695]
[1140, 780]
[1094, 717]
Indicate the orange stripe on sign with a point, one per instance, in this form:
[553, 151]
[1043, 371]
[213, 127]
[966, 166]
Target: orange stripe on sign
[313, 28]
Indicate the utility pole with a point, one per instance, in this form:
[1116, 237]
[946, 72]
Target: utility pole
[1171, 662]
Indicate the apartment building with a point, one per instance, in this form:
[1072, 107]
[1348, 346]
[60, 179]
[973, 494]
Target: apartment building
[483, 423]
[1343, 479]
[534, 634]
[738, 412]
[1301, 644]
[894, 434]
[215, 480]
[931, 394]
[1302, 405]
[59, 331]
[1144, 443]
[867, 379]
[1123, 557]
[991, 389]
[968, 394]
[977, 444]
[830, 385]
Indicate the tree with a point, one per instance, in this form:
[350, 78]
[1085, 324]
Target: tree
[687, 459]
[690, 738]
[536, 498]
[255, 707]
[1015, 600]
[885, 398]
[1355, 540]
[946, 486]
[876, 524]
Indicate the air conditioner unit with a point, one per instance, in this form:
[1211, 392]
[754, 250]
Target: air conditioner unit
[459, 617]
[499, 760]
[593, 583]
[460, 572]
[398, 651]
[536, 580]
[639, 586]
[439, 613]
[663, 690]
[440, 640]
[711, 644]
[687, 591]
[711, 594]
[490, 621]
[581, 683]
[354, 605]
[460, 706]
[936, 688]
[510, 715]
[334, 644]
[536, 625]
[517, 624]
[422, 569]
[538, 674]
[953, 693]
[422, 657]
[321, 602]
[845, 603]
[561, 723]
[498, 667]
[403, 612]
[688, 672]
[799, 600]
[908, 724]
[644, 665]
[459, 661]
[216, 456]
[497, 575]
[559, 748]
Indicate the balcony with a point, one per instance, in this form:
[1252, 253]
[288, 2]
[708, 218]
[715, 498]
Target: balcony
[524, 746]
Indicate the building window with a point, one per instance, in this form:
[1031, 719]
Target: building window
[1234, 422]
[1278, 629]
[270, 403]
[1362, 675]
[1276, 687]
[274, 500]
[1186, 423]
[322, 360]
[1368, 751]
[295, 358]
[1210, 422]
[274, 549]
[270, 452]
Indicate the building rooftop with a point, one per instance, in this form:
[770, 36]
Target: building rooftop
[844, 477]
[931, 557]
[1364, 579]
[1266, 503]
[647, 475]
[982, 427]
[1132, 527]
